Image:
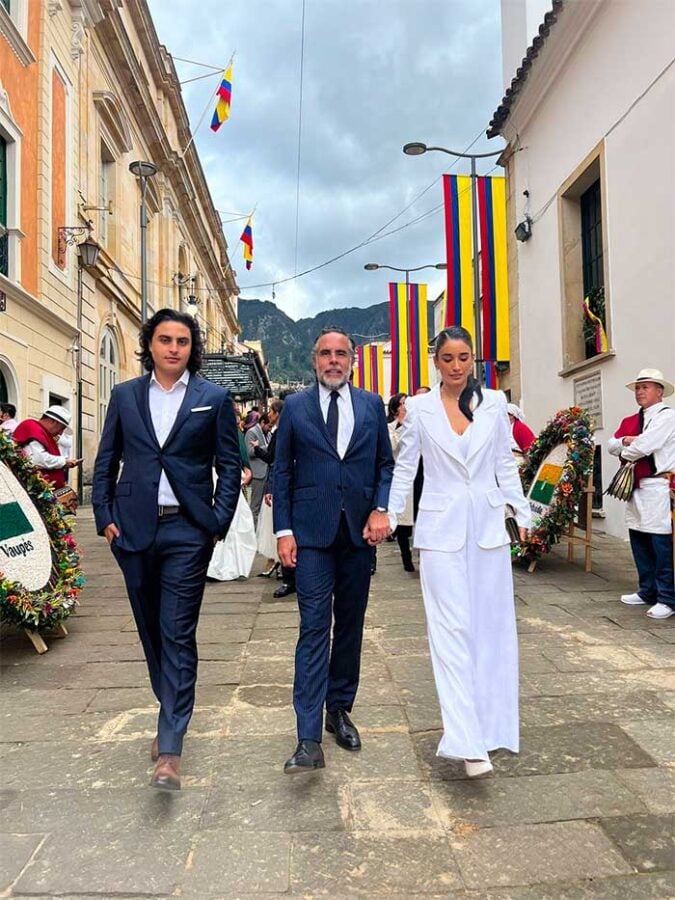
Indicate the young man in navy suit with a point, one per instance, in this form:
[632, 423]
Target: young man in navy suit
[170, 429]
[332, 472]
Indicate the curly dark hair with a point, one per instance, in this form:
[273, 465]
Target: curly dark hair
[171, 315]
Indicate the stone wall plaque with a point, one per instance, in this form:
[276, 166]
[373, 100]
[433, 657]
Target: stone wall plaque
[588, 395]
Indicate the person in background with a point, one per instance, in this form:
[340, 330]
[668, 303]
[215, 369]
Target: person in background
[403, 533]
[462, 431]
[647, 438]
[522, 437]
[255, 434]
[8, 417]
[39, 438]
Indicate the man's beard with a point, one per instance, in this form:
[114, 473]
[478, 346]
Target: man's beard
[333, 384]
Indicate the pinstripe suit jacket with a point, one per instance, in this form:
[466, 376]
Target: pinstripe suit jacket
[313, 486]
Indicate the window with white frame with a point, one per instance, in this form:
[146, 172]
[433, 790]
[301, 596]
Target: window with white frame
[106, 187]
[108, 373]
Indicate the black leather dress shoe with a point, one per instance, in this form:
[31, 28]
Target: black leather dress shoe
[284, 590]
[308, 756]
[346, 735]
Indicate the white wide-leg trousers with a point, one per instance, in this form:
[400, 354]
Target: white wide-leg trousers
[471, 623]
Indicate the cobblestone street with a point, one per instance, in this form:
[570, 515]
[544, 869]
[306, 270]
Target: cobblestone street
[585, 810]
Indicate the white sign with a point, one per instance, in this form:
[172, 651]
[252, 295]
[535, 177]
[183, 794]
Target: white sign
[588, 395]
[25, 551]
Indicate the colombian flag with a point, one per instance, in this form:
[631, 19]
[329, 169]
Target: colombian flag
[247, 240]
[373, 368]
[418, 333]
[459, 251]
[222, 111]
[493, 271]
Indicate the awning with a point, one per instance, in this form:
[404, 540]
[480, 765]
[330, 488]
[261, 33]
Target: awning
[244, 376]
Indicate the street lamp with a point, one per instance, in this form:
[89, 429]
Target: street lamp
[416, 148]
[143, 171]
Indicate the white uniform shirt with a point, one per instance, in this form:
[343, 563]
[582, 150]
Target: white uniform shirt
[648, 509]
[164, 406]
[42, 459]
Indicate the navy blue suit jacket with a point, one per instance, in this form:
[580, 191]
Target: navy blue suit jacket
[204, 436]
[313, 486]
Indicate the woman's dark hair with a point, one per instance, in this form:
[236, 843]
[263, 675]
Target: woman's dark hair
[457, 333]
[171, 315]
[394, 405]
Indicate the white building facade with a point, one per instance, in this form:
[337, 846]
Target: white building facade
[588, 118]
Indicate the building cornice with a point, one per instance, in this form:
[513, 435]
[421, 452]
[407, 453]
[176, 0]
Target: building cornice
[559, 35]
[14, 38]
[17, 294]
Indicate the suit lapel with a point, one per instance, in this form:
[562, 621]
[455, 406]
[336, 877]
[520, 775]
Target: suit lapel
[359, 410]
[435, 422]
[483, 423]
[313, 407]
[195, 388]
[141, 392]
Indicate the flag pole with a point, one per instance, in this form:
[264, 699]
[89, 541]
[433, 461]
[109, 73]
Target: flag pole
[206, 109]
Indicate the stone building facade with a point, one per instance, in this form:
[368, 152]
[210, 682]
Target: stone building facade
[92, 92]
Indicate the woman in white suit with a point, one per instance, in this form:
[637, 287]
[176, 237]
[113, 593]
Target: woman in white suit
[462, 433]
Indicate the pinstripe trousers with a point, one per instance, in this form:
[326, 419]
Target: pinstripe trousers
[332, 582]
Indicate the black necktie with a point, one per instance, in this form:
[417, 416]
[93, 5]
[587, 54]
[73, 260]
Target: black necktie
[333, 417]
[641, 420]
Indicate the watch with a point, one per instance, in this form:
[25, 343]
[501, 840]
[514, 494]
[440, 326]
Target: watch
[381, 509]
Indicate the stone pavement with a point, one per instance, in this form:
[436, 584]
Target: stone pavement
[584, 811]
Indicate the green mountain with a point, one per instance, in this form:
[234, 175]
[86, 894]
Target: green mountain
[288, 344]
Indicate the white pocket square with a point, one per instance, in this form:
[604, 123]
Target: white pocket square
[200, 408]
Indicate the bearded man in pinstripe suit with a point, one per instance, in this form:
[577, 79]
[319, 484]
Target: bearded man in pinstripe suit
[332, 472]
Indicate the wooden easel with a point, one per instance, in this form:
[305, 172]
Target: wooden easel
[38, 641]
[584, 524]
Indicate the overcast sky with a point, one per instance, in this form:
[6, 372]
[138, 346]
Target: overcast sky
[377, 74]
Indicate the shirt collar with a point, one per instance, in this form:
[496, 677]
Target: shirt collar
[652, 410]
[184, 378]
[324, 392]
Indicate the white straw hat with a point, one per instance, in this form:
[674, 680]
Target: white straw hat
[59, 414]
[655, 375]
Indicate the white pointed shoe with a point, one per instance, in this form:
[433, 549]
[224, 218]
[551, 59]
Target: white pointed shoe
[661, 611]
[478, 768]
[633, 600]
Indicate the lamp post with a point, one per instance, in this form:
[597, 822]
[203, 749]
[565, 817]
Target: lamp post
[417, 149]
[373, 267]
[143, 171]
[88, 251]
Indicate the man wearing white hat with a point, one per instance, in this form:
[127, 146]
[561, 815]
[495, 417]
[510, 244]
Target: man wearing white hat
[39, 439]
[648, 439]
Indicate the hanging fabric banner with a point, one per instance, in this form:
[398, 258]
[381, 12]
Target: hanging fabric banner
[459, 251]
[418, 335]
[372, 368]
[357, 374]
[398, 326]
[491, 376]
[494, 276]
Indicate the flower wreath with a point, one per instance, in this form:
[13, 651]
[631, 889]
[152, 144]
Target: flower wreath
[571, 427]
[43, 609]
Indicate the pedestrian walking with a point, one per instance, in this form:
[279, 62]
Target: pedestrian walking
[462, 433]
[332, 472]
[647, 439]
[161, 519]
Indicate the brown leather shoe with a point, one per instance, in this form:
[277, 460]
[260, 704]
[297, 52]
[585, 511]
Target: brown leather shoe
[154, 748]
[166, 776]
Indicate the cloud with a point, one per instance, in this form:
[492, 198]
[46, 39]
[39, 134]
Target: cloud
[376, 75]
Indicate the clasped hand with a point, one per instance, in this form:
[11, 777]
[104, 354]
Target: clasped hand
[377, 528]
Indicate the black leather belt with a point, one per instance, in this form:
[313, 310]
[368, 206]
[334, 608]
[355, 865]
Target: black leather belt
[167, 511]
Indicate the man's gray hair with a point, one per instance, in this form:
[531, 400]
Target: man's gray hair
[333, 329]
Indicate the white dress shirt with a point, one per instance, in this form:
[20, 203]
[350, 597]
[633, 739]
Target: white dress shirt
[345, 415]
[164, 406]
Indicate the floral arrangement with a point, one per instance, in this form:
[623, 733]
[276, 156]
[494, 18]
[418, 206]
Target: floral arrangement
[571, 427]
[41, 610]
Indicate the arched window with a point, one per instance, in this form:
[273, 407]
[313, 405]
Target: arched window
[108, 363]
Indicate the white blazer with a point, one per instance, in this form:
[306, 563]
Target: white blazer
[457, 487]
